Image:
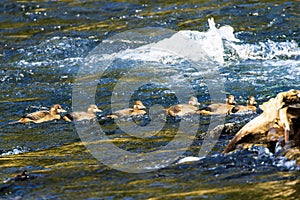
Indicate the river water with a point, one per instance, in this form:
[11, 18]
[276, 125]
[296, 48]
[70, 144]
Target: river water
[160, 52]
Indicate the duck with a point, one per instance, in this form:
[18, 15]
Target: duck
[137, 110]
[220, 108]
[79, 116]
[22, 176]
[43, 115]
[184, 109]
[250, 106]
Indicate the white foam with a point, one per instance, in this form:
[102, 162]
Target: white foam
[188, 159]
[209, 46]
[266, 50]
[14, 151]
[190, 45]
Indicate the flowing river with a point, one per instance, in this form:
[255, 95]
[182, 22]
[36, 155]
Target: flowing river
[161, 52]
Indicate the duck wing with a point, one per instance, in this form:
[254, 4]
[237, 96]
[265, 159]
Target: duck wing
[124, 112]
[189, 109]
[37, 115]
[173, 110]
[215, 107]
[220, 108]
[82, 116]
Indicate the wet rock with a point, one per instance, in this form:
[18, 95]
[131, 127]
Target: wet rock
[293, 154]
[278, 124]
[228, 128]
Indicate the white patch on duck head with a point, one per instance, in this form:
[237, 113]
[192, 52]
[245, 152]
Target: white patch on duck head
[251, 101]
[57, 109]
[93, 108]
[194, 101]
[230, 100]
[139, 105]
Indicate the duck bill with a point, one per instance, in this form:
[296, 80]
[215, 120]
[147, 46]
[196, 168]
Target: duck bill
[142, 107]
[139, 107]
[62, 111]
[297, 105]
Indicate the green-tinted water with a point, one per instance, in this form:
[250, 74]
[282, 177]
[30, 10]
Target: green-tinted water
[43, 45]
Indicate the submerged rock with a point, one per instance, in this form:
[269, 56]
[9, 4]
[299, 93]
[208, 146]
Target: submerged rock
[228, 128]
[293, 154]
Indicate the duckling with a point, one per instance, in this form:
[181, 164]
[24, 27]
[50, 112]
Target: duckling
[138, 109]
[79, 116]
[220, 108]
[251, 105]
[194, 101]
[19, 177]
[43, 115]
[22, 176]
[184, 109]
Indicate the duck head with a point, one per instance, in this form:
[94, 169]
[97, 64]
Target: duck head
[138, 105]
[230, 100]
[56, 109]
[194, 101]
[251, 101]
[93, 109]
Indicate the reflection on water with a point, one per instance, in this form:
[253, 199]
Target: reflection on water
[70, 169]
[43, 45]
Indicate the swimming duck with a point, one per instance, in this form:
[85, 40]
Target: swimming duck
[184, 109]
[19, 177]
[79, 116]
[22, 176]
[220, 108]
[43, 115]
[138, 109]
[251, 105]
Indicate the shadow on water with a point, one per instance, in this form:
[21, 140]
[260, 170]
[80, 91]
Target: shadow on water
[42, 46]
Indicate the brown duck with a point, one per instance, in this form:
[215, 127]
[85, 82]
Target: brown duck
[184, 109]
[138, 109]
[251, 106]
[43, 115]
[220, 108]
[79, 116]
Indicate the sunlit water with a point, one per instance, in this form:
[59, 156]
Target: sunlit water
[43, 47]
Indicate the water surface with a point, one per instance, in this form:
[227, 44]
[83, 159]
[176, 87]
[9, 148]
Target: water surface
[42, 47]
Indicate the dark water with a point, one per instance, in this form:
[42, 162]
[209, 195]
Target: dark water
[43, 45]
